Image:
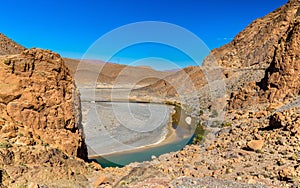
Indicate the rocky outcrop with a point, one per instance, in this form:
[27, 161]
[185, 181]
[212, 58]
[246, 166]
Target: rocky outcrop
[38, 102]
[8, 46]
[41, 138]
[280, 81]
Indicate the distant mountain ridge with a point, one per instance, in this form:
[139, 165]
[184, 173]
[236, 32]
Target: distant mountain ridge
[87, 71]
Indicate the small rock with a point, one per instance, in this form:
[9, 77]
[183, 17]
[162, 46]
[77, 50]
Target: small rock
[96, 165]
[229, 170]
[239, 178]
[188, 120]
[33, 185]
[100, 181]
[211, 147]
[251, 181]
[281, 162]
[287, 174]
[255, 145]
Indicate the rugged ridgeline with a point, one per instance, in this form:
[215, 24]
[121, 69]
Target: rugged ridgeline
[40, 133]
[8, 46]
[248, 56]
[264, 55]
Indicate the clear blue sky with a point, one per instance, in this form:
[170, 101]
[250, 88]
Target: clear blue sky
[70, 27]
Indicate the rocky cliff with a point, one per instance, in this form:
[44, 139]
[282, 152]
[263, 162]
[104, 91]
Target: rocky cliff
[280, 80]
[40, 121]
[38, 100]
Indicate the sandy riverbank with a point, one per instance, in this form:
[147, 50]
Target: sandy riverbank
[174, 138]
[119, 127]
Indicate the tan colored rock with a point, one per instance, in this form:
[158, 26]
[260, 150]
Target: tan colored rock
[255, 145]
[287, 174]
[251, 181]
[100, 180]
[33, 185]
[97, 166]
[7, 46]
[41, 97]
[210, 147]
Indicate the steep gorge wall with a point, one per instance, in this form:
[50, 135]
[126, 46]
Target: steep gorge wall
[38, 102]
[280, 81]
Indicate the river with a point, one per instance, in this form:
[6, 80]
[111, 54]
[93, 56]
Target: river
[118, 133]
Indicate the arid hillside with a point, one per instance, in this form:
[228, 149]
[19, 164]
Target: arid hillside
[89, 71]
[8, 46]
[246, 57]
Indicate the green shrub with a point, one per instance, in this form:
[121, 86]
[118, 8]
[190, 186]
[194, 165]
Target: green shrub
[44, 143]
[5, 145]
[201, 112]
[226, 124]
[214, 114]
[7, 62]
[216, 124]
[199, 134]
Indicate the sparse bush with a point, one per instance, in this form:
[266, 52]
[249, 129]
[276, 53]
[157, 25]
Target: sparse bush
[201, 112]
[214, 114]
[44, 143]
[6, 61]
[5, 145]
[226, 124]
[199, 135]
[216, 124]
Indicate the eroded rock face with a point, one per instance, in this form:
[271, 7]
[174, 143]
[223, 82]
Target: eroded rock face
[282, 77]
[280, 80]
[8, 46]
[39, 103]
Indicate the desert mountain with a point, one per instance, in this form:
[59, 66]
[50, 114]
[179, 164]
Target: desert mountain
[258, 142]
[8, 46]
[266, 49]
[259, 139]
[112, 74]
